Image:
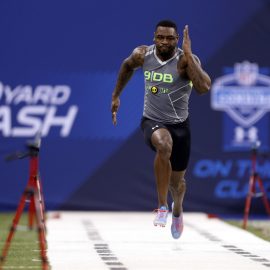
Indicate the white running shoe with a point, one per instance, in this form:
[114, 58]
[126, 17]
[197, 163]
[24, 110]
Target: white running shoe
[177, 225]
[161, 216]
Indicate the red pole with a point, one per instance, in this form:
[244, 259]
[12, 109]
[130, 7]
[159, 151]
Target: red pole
[248, 200]
[264, 197]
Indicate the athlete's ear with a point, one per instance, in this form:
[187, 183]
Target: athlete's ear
[154, 36]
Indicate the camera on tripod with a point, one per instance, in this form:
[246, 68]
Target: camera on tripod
[33, 197]
[32, 146]
[35, 143]
[255, 145]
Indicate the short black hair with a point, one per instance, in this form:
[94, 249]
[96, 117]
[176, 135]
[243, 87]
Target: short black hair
[167, 23]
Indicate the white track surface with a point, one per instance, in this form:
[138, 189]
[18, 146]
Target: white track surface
[125, 240]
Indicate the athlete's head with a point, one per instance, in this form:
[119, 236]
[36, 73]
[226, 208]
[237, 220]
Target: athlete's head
[166, 38]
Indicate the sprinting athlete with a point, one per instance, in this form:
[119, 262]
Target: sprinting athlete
[170, 73]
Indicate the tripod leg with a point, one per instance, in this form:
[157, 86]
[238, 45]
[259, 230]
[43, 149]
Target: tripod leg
[36, 185]
[31, 213]
[264, 197]
[15, 222]
[41, 231]
[248, 200]
[41, 200]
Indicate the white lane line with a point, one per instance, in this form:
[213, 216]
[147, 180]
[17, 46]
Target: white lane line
[83, 240]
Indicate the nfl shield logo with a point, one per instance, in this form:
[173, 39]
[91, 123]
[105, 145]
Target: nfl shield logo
[244, 96]
[246, 73]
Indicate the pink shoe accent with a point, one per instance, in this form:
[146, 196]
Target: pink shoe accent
[161, 216]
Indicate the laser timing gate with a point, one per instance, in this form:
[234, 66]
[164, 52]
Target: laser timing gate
[33, 197]
[254, 180]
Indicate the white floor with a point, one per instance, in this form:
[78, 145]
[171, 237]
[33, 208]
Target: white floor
[126, 240]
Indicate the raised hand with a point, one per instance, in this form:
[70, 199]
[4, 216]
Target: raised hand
[186, 45]
[114, 108]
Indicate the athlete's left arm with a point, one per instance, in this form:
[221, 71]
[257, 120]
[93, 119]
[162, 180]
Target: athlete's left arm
[200, 79]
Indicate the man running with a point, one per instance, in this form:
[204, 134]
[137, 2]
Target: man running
[170, 73]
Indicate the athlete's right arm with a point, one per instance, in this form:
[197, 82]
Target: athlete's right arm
[129, 65]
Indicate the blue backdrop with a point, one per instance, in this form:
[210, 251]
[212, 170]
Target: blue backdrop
[58, 66]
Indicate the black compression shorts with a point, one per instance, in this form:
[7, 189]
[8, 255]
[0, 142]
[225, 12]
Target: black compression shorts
[180, 136]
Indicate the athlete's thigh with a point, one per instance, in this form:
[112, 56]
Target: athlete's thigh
[161, 138]
[151, 129]
[181, 148]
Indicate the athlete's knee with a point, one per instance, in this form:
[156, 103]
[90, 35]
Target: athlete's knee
[182, 185]
[164, 149]
[162, 141]
[178, 186]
